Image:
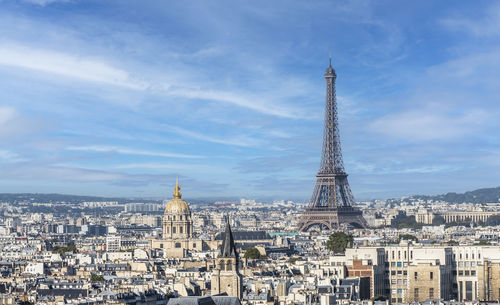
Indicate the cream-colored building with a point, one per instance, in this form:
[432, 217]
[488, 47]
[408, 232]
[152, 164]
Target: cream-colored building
[226, 276]
[177, 234]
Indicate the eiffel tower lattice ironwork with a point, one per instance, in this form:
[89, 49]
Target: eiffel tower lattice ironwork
[332, 201]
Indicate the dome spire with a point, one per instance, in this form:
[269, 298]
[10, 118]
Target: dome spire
[177, 188]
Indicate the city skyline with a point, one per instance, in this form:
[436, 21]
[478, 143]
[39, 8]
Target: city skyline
[116, 98]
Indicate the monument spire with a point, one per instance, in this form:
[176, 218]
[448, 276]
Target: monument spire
[332, 200]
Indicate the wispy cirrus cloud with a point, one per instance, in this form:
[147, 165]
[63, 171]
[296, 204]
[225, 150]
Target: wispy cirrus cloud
[486, 26]
[241, 140]
[67, 65]
[130, 151]
[429, 125]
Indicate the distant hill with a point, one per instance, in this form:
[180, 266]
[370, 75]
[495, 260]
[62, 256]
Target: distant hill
[478, 196]
[55, 198]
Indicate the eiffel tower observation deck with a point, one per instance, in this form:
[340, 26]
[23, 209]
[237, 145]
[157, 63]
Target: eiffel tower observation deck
[332, 201]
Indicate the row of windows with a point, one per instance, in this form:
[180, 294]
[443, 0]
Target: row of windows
[174, 230]
[399, 264]
[227, 265]
[416, 293]
[467, 255]
[393, 254]
[467, 264]
[181, 217]
[399, 272]
[431, 275]
[467, 273]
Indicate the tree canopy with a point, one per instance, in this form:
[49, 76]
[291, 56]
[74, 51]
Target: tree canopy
[407, 237]
[252, 253]
[339, 241]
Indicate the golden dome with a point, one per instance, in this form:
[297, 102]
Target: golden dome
[177, 205]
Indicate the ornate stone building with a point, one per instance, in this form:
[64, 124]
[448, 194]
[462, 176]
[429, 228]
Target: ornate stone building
[177, 222]
[177, 235]
[226, 277]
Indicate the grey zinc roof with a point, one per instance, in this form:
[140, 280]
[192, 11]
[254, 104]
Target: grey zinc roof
[246, 235]
[205, 300]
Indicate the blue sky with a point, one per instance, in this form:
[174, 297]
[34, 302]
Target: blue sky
[115, 98]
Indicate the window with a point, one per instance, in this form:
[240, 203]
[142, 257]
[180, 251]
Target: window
[431, 293]
[393, 264]
[177, 245]
[405, 264]
[393, 272]
[431, 275]
[400, 282]
[400, 291]
[472, 264]
[400, 264]
[392, 254]
[460, 272]
[194, 245]
[466, 272]
[181, 229]
[415, 294]
[416, 275]
[161, 246]
[393, 281]
[174, 230]
[405, 272]
[473, 272]
[399, 272]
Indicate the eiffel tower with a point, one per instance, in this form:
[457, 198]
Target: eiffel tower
[332, 201]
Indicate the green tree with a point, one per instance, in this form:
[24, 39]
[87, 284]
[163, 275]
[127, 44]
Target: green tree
[252, 253]
[96, 278]
[407, 237]
[62, 250]
[483, 242]
[379, 297]
[339, 241]
[438, 220]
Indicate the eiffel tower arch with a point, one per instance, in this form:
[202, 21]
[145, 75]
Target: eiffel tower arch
[332, 201]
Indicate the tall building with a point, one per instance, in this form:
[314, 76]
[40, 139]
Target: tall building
[332, 201]
[226, 277]
[177, 222]
[177, 234]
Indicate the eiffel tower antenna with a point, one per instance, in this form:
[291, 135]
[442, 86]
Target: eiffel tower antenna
[332, 201]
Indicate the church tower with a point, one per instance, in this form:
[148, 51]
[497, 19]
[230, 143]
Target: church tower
[177, 222]
[225, 276]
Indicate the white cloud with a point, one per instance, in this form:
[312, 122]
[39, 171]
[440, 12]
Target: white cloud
[485, 26]
[257, 103]
[6, 114]
[46, 2]
[8, 156]
[427, 125]
[129, 151]
[13, 124]
[67, 65]
[239, 141]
